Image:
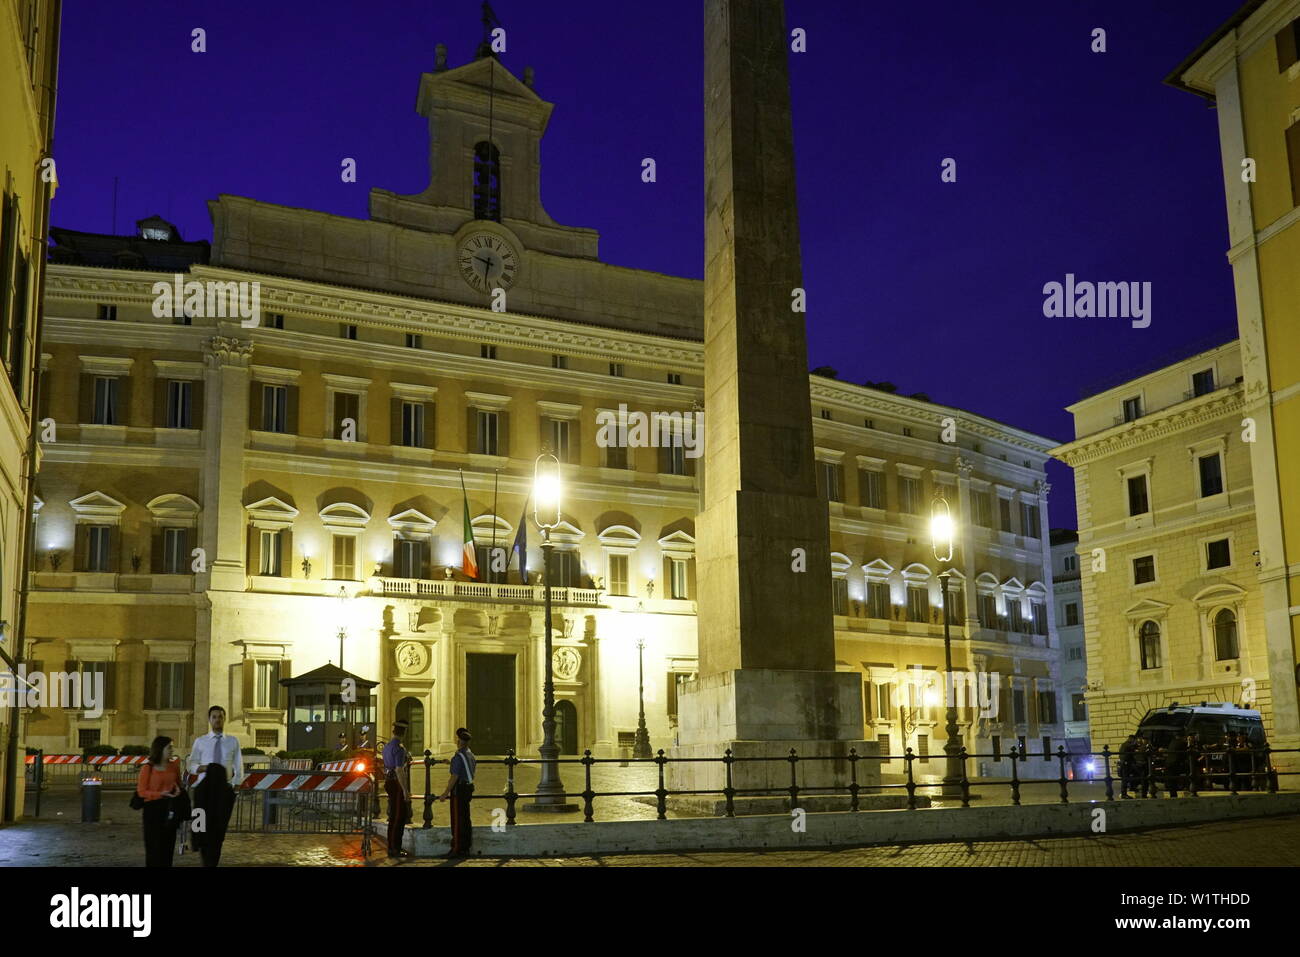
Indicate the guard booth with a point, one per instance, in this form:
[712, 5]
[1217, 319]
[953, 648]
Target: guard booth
[318, 713]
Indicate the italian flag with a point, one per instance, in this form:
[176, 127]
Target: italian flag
[469, 560]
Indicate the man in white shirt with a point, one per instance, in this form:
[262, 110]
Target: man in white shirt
[217, 757]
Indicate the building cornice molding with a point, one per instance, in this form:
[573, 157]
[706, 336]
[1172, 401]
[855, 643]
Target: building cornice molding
[1152, 428]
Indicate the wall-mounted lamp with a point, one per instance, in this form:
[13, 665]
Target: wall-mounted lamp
[306, 567]
[56, 559]
[650, 588]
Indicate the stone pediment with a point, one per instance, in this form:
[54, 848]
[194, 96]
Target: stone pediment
[411, 521]
[877, 569]
[96, 505]
[1147, 608]
[271, 513]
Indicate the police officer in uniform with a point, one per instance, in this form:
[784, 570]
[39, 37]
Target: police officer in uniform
[398, 788]
[459, 790]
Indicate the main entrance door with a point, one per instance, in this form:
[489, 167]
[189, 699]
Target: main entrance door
[411, 711]
[490, 702]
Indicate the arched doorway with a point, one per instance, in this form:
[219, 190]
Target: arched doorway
[411, 710]
[566, 726]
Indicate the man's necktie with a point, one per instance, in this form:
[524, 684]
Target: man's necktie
[216, 750]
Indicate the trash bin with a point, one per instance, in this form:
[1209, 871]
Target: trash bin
[91, 798]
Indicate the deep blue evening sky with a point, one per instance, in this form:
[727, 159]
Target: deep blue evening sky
[1068, 161]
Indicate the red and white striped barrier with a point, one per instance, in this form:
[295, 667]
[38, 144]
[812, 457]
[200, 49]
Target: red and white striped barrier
[97, 760]
[316, 781]
[352, 764]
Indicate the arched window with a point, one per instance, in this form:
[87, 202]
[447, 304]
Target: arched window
[1149, 644]
[487, 182]
[1225, 636]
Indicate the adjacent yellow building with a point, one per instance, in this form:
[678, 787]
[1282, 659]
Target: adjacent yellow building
[29, 36]
[1250, 70]
[1172, 605]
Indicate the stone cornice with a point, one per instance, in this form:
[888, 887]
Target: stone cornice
[1134, 435]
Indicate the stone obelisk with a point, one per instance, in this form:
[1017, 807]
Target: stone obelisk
[767, 679]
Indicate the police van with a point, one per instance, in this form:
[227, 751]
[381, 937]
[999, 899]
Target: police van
[1211, 723]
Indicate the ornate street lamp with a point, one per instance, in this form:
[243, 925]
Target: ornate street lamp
[942, 533]
[546, 515]
[641, 747]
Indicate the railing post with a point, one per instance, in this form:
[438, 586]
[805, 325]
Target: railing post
[965, 780]
[428, 789]
[38, 776]
[1015, 776]
[511, 796]
[1232, 769]
[588, 794]
[729, 791]
[661, 794]
[908, 758]
[853, 779]
[1110, 781]
[1193, 768]
[1268, 770]
[794, 781]
[1065, 791]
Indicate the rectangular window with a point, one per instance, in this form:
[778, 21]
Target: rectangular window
[1029, 520]
[1071, 563]
[1203, 382]
[267, 690]
[106, 312]
[275, 408]
[616, 369]
[344, 557]
[1288, 45]
[1047, 748]
[678, 578]
[674, 378]
[1015, 620]
[1132, 409]
[98, 541]
[1293, 158]
[266, 738]
[566, 567]
[1004, 513]
[1218, 554]
[1018, 705]
[413, 425]
[885, 701]
[830, 481]
[616, 457]
[1077, 707]
[918, 603]
[618, 575]
[180, 404]
[1211, 472]
[982, 508]
[176, 551]
[882, 741]
[487, 352]
[347, 412]
[996, 743]
[826, 414]
[269, 542]
[348, 331]
[909, 495]
[1137, 495]
[1144, 569]
[956, 605]
[275, 320]
[675, 457]
[488, 433]
[1071, 614]
[871, 487]
[1075, 653]
[878, 600]
[87, 738]
[1047, 707]
[414, 340]
[557, 437]
[168, 691]
[839, 596]
[408, 558]
[1039, 612]
[923, 748]
[106, 405]
[486, 571]
[988, 610]
[907, 431]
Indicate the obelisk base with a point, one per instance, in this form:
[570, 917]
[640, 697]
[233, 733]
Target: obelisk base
[760, 713]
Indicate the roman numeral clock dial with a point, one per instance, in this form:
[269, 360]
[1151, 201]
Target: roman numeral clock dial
[487, 262]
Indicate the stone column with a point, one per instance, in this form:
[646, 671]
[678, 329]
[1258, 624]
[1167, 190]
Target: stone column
[225, 428]
[767, 679]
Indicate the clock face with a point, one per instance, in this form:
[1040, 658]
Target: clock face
[487, 262]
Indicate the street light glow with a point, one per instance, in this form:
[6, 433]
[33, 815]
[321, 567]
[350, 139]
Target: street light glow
[546, 491]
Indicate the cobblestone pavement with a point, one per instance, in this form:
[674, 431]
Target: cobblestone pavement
[59, 839]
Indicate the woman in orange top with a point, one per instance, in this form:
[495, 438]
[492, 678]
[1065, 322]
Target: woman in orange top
[160, 781]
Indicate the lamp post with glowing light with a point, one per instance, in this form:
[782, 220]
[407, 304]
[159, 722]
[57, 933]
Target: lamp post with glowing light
[641, 746]
[546, 514]
[942, 533]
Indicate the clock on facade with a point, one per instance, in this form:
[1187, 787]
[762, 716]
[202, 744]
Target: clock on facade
[487, 262]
